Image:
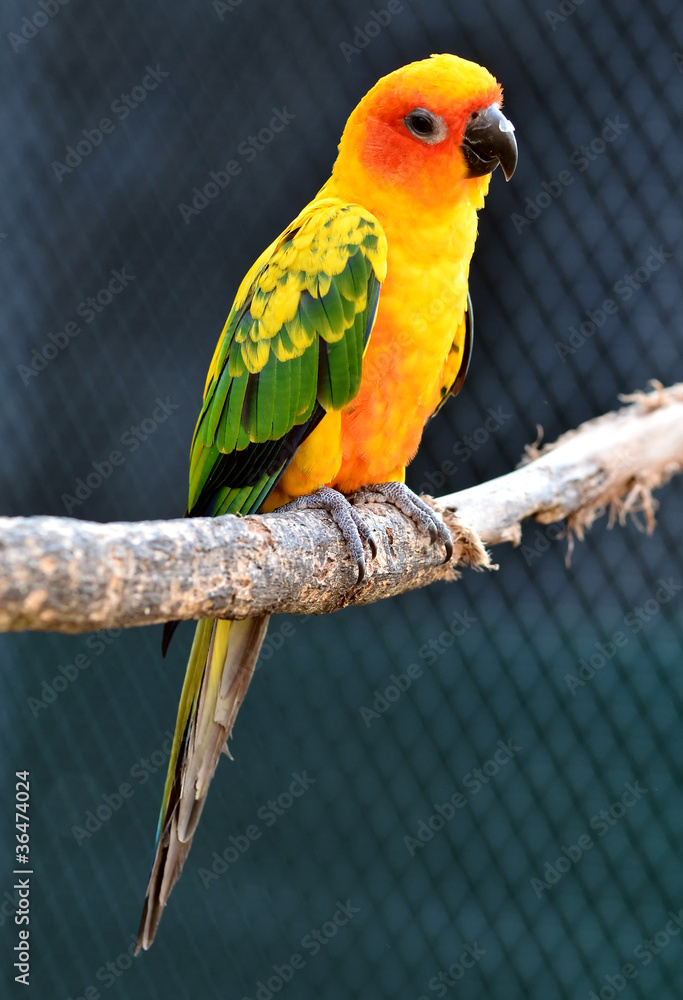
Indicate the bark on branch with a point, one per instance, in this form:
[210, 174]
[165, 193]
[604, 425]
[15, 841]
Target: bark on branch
[65, 575]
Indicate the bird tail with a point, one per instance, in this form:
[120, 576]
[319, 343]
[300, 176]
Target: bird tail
[219, 670]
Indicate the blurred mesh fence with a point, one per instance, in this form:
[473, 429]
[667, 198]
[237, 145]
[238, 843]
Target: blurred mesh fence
[508, 825]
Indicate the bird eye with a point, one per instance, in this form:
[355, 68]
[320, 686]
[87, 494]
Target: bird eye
[425, 125]
[420, 124]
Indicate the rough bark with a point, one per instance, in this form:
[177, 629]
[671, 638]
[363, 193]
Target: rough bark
[65, 575]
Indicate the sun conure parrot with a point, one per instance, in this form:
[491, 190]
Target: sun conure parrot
[329, 366]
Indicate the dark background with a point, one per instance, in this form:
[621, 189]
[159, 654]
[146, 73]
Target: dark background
[504, 679]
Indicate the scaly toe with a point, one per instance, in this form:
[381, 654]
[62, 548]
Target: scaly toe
[348, 520]
[412, 506]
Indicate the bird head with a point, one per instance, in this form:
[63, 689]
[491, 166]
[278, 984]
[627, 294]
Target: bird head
[430, 130]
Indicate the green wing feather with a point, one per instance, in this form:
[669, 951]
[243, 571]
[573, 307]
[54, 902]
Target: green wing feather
[292, 349]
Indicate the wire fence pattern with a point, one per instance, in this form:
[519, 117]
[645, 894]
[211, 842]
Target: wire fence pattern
[473, 790]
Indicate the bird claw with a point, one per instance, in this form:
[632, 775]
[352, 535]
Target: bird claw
[348, 520]
[412, 506]
[353, 527]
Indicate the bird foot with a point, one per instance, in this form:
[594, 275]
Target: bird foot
[344, 515]
[412, 506]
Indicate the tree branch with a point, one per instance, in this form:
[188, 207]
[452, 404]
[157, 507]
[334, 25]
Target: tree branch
[65, 575]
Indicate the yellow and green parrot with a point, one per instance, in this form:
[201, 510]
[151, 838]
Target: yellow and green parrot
[345, 337]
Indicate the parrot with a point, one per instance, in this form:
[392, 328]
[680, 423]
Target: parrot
[350, 331]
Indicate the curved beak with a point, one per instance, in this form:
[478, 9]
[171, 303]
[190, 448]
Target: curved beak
[489, 139]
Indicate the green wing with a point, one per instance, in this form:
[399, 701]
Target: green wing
[292, 349]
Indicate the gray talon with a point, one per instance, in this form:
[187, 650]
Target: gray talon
[412, 506]
[348, 520]
[353, 527]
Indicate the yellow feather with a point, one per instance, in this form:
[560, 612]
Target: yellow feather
[259, 302]
[283, 353]
[255, 354]
[300, 336]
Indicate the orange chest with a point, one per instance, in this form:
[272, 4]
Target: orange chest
[421, 307]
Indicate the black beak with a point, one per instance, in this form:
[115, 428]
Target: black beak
[489, 139]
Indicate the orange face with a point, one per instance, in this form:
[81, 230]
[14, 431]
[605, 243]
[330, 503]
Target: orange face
[431, 125]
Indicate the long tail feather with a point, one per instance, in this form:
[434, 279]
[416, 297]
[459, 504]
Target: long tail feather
[218, 673]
